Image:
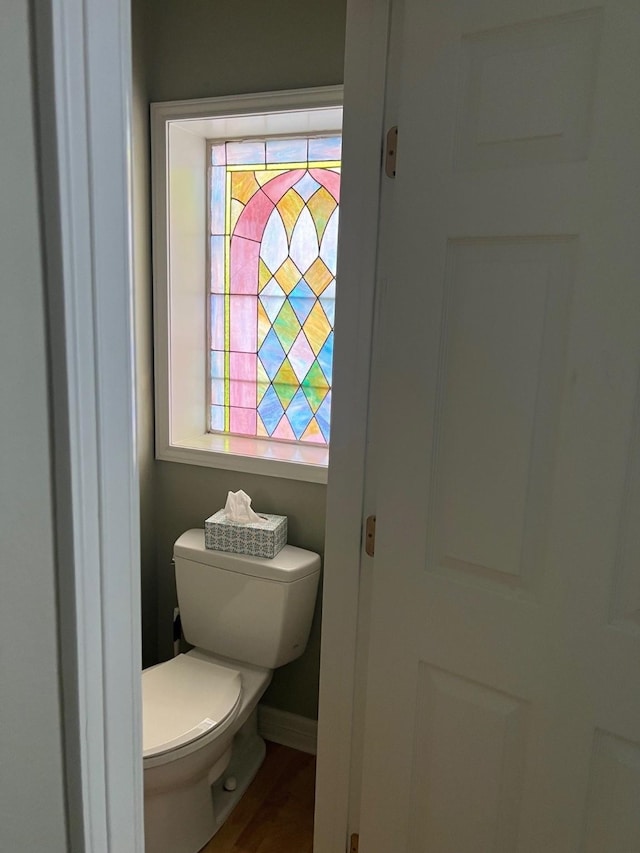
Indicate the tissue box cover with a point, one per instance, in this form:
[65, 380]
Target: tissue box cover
[257, 540]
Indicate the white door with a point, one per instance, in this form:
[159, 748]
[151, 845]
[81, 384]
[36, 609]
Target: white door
[503, 695]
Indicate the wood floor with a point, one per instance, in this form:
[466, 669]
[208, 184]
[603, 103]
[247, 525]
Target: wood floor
[276, 813]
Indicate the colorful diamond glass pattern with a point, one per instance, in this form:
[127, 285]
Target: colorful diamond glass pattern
[274, 230]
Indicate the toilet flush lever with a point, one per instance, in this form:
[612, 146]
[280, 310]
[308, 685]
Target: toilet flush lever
[370, 535]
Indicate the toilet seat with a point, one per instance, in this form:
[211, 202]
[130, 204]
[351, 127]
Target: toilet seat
[185, 699]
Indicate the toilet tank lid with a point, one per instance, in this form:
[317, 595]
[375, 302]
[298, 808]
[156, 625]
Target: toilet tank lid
[289, 564]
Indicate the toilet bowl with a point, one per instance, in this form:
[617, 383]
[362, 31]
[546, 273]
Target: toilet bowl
[190, 735]
[201, 747]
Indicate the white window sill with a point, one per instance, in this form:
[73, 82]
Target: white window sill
[251, 456]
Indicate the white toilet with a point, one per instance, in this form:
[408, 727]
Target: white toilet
[245, 616]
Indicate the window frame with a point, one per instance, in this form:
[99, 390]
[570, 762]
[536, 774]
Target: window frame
[180, 133]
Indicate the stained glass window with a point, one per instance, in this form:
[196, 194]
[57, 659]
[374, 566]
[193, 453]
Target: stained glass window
[274, 230]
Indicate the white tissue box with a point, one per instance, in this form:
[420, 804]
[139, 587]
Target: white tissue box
[257, 540]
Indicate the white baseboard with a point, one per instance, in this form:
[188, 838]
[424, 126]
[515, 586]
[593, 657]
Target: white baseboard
[288, 729]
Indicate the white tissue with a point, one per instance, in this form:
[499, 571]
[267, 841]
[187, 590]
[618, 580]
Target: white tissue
[238, 509]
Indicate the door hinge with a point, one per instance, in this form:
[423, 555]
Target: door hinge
[370, 535]
[391, 152]
[353, 844]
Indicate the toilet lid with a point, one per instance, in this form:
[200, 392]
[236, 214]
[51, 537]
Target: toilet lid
[184, 699]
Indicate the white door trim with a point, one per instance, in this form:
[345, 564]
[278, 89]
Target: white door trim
[83, 57]
[366, 45]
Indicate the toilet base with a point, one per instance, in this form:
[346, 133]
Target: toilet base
[184, 819]
[248, 753]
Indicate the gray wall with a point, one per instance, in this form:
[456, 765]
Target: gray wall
[32, 809]
[194, 49]
[203, 48]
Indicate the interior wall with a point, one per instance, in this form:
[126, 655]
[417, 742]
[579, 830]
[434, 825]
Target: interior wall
[32, 806]
[203, 48]
[196, 49]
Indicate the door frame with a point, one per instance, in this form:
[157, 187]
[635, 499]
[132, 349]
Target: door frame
[82, 52]
[82, 59]
[342, 646]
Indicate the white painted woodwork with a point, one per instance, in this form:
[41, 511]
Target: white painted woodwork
[31, 741]
[288, 729]
[344, 603]
[180, 134]
[485, 770]
[625, 592]
[83, 56]
[491, 471]
[502, 699]
[186, 260]
[612, 814]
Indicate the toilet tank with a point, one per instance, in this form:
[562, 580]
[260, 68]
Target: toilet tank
[250, 609]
